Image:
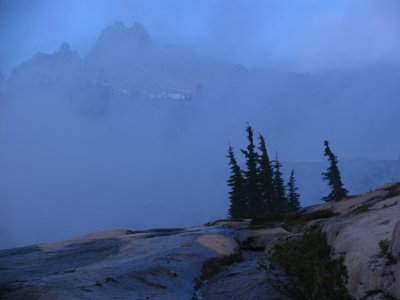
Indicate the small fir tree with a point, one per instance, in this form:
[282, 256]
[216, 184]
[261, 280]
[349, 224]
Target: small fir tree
[280, 202]
[332, 176]
[266, 185]
[238, 206]
[292, 196]
[254, 201]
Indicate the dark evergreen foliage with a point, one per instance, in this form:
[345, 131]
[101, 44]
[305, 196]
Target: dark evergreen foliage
[279, 203]
[265, 177]
[254, 202]
[292, 195]
[259, 190]
[305, 269]
[332, 176]
[238, 205]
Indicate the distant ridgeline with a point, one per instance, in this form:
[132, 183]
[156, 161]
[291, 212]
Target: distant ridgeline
[125, 64]
[358, 175]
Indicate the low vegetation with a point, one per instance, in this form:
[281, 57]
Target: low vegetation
[384, 251]
[267, 220]
[215, 265]
[361, 209]
[290, 221]
[320, 214]
[394, 190]
[304, 269]
[384, 247]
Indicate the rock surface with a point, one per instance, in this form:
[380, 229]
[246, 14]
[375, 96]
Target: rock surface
[240, 281]
[257, 239]
[167, 263]
[355, 234]
[125, 264]
[118, 264]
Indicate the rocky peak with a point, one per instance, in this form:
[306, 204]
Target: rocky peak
[139, 32]
[118, 36]
[51, 67]
[65, 49]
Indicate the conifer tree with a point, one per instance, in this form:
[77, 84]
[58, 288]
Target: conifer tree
[279, 203]
[254, 201]
[332, 176]
[238, 206]
[292, 195]
[266, 185]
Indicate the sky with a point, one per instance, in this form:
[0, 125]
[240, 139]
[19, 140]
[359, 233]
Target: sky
[78, 155]
[302, 35]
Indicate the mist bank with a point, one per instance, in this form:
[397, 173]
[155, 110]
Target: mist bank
[134, 135]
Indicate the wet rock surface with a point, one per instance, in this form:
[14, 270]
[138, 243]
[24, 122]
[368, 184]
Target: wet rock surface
[125, 264]
[154, 264]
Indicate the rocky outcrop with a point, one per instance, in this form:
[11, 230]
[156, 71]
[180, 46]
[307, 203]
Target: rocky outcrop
[395, 242]
[218, 243]
[258, 239]
[150, 264]
[240, 281]
[363, 224]
[123, 264]
[169, 263]
[119, 39]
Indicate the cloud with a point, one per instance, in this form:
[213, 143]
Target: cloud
[304, 35]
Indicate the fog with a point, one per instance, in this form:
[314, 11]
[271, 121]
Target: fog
[305, 35]
[128, 125]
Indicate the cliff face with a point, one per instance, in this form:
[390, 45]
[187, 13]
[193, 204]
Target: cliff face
[366, 233]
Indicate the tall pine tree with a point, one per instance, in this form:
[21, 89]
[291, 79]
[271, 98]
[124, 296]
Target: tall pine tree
[254, 201]
[238, 205]
[292, 195]
[279, 203]
[266, 185]
[332, 176]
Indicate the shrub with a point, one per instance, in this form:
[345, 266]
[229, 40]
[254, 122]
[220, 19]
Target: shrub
[321, 214]
[297, 221]
[384, 247]
[361, 209]
[290, 221]
[267, 220]
[304, 269]
[215, 265]
[394, 190]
